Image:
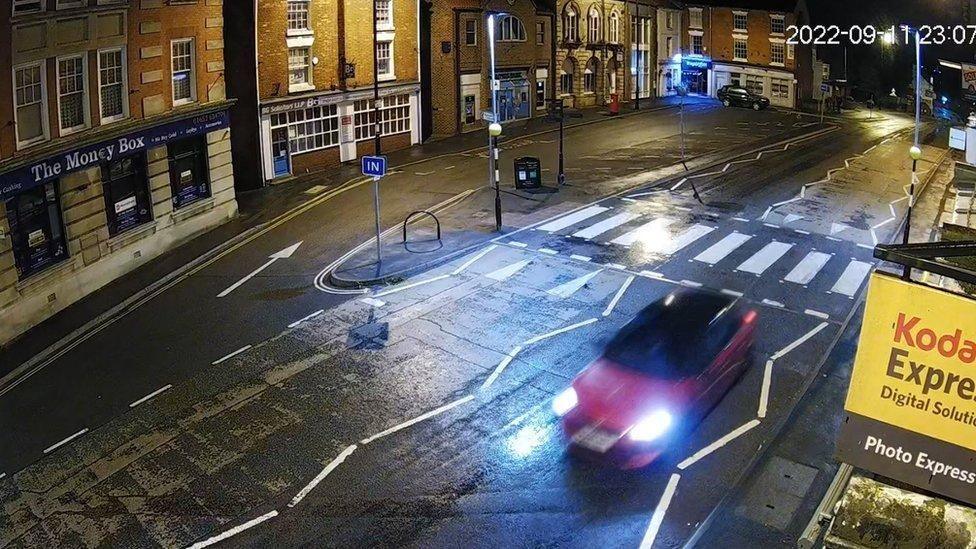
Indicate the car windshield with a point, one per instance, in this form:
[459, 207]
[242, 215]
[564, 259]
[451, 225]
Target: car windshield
[669, 339]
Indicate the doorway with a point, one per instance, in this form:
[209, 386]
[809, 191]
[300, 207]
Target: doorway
[279, 151]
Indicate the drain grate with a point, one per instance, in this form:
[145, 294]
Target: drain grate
[777, 492]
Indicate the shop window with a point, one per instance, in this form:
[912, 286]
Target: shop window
[540, 93]
[469, 110]
[754, 84]
[188, 174]
[394, 116]
[780, 88]
[36, 229]
[28, 6]
[126, 190]
[29, 103]
[309, 129]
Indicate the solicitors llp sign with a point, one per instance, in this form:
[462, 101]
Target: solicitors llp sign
[911, 406]
[64, 163]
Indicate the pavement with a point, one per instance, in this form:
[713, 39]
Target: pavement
[290, 412]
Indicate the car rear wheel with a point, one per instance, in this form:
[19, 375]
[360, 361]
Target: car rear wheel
[756, 106]
[727, 103]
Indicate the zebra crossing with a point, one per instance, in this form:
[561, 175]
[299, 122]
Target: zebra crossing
[764, 262]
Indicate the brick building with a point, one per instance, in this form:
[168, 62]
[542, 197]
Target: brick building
[593, 38]
[458, 60]
[308, 103]
[743, 42]
[114, 143]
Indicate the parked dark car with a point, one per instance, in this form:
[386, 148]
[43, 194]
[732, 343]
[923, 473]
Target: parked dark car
[658, 377]
[741, 97]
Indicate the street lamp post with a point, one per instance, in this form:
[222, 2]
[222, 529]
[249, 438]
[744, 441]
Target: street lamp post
[915, 152]
[494, 128]
[377, 127]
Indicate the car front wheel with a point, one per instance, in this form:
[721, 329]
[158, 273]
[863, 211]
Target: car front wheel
[727, 103]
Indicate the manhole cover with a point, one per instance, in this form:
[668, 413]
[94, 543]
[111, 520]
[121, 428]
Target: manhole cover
[777, 492]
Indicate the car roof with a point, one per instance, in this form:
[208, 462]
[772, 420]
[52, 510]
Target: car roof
[685, 309]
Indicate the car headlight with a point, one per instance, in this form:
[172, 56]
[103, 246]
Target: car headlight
[652, 427]
[564, 402]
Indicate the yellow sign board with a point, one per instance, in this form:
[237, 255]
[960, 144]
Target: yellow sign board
[916, 361]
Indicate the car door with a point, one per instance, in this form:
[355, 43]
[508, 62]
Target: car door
[720, 344]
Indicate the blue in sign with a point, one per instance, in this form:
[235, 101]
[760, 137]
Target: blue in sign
[374, 166]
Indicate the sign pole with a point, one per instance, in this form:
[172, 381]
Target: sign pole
[495, 129]
[376, 206]
[562, 119]
[378, 143]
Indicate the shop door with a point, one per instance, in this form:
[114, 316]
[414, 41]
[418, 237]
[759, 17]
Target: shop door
[513, 98]
[36, 229]
[188, 174]
[721, 80]
[279, 151]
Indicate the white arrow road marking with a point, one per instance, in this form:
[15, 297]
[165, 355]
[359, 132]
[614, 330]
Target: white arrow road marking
[662, 508]
[790, 218]
[569, 288]
[507, 271]
[283, 254]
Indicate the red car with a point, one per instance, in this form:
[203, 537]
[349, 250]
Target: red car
[658, 377]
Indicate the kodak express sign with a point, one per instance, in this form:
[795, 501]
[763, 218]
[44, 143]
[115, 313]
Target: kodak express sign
[912, 399]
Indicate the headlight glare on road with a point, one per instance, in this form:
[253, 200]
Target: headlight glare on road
[564, 402]
[652, 427]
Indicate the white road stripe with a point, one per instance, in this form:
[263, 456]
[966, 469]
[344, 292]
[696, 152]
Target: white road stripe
[517, 244]
[572, 219]
[569, 288]
[807, 268]
[720, 250]
[764, 392]
[662, 508]
[234, 531]
[417, 419]
[865, 246]
[54, 447]
[155, 393]
[321, 476]
[686, 238]
[373, 302]
[817, 314]
[597, 229]
[619, 294]
[782, 352]
[718, 444]
[548, 251]
[764, 258]
[231, 355]
[581, 258]
[691, 284]
[306, 318]
[474, 259]
[732, 293]
[851, 280]
[772, 303]
[508, 270]
[742, 219]
[411, 285]
[501, 366]
[649, 232]
[553, 333]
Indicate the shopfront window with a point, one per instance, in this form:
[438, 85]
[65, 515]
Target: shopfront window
[36, 229]
[754, 84]
[126, 191]
[188, 174]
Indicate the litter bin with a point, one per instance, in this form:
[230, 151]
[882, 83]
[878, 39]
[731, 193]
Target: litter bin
[528, 173]
[614, 103]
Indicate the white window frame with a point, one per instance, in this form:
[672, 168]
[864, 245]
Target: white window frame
[510, 29]
[701, 44]
[570, 25]
[695, 18]
[594, 25]
[364, 118]
[125, 86]
[540, 33]
[735, 53]
[391, 73]
[782, 20]
[745, 16]
[307, 84]
[773, 46]
[45, 121]
[388, 23]
[613, 28]
[85, 101]
[328, 117]
[193, 72]
[591, 73]
[298, 31]
[474, 34]
[40, 7]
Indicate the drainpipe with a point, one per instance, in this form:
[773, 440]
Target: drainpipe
[341, 32]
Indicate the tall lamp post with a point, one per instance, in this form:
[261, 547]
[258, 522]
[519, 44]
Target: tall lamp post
[494, 128]
[915, 152]
[377, 127]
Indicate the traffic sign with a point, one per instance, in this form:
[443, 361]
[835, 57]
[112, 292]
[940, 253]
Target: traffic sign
[488, 116]
[374, 166]
[825, 88]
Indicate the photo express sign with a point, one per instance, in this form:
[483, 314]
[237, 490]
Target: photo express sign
[969, 82]
[912, 399]
[54, 167]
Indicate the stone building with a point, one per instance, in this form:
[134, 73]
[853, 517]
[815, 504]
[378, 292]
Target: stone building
[743, 42]
[458, 60]
[594, 54]
[307, 102]
[114, 143]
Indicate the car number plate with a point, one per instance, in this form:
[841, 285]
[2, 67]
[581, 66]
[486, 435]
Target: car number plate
[596, 439]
